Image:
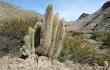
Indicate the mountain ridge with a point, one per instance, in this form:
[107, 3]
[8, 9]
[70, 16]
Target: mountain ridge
[98, 21]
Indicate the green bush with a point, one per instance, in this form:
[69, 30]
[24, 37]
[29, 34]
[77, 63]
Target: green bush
[81, 51]
[102, 37]
[106, 41]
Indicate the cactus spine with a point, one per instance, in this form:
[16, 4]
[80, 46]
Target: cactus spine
[54, 32]
[48, 28]
[60, 39]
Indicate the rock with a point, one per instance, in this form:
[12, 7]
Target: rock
[34, 62]
[98, 21]
[106, 65]
[83, 16]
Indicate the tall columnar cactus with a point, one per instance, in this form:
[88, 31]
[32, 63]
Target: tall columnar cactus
[54, 33]
[61, 32]
[48, 28]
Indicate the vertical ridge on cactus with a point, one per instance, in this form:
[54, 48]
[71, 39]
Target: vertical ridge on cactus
[54, 32]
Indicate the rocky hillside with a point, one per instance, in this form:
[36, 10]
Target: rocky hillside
[8, 11]
[98, 21]
[14, 22]
[83, 16]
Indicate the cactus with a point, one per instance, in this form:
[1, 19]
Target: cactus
[48, 29]
[31, 35]
[54, 32]
[59, 43]
[29, 43]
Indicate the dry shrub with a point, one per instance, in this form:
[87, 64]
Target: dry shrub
[75, 48]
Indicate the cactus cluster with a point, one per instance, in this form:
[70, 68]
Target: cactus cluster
[46, 38]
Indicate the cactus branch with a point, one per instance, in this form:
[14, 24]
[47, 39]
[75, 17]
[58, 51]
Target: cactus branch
[48, 28]
[60, 39]
[54, 32]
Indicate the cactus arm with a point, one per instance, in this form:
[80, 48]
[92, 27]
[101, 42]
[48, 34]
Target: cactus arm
[32, 42]
[27, 41]
[53, 38]
[31, 33]
[48, 28]
[60, 40]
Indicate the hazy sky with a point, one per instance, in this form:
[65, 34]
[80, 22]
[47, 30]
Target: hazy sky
[68, 9]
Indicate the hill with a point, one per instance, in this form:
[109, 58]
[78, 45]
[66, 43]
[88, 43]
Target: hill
[98, 21]
[14, 22]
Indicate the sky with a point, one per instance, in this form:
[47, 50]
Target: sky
[70, 10]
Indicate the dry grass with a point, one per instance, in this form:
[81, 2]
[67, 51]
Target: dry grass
[14, 22]
[81, 51]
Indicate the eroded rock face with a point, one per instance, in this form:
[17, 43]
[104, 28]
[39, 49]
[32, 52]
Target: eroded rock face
[106, 5]
[34, 62]
[98, 21]
[83, 16]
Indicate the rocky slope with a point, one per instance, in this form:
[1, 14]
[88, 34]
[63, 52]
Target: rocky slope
[8, 11]
[14, 22]
[98, 21]
[41, 63]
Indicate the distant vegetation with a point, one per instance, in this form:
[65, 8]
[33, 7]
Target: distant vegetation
[102, 37]
[81, 51]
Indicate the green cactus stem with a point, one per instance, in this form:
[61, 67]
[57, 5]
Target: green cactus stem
[48, 28]
[54, 32]
[29, 42]
[60, 39]
[32, 33]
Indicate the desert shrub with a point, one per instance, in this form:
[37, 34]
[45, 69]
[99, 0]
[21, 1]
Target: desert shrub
[75, 48]
[100, 35]
[15, 28]
[106, 41]
[103, 37]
